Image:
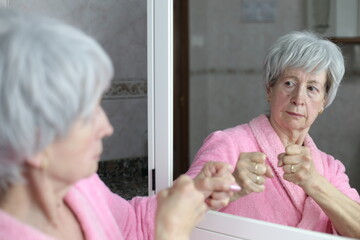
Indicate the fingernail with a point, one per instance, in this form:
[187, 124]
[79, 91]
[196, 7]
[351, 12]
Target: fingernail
[235, 187]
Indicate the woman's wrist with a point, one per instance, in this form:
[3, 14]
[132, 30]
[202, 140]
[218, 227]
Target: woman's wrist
[315, 186]
[165, 234]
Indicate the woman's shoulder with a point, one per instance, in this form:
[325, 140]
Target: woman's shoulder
[239, 137]
[95, 189]
[242, 130]
[90, 183]
[13, 228]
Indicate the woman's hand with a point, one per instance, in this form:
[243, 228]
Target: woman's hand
[179, 209]
[250, 173]
[342, 211]
[298, 166]
[217, 184]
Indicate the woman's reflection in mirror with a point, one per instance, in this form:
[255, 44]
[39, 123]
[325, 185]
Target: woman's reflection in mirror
[284, 177]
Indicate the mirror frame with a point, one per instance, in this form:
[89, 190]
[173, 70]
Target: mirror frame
[160, 94]
[215, 225]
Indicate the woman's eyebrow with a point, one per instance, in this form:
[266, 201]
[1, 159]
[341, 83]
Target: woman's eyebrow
[291, 76]
[314, 82]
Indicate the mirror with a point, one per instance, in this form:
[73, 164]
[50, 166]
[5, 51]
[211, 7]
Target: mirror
[226, 88]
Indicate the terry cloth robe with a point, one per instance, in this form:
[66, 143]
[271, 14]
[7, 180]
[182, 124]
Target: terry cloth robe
[102, 215]
[281, 202]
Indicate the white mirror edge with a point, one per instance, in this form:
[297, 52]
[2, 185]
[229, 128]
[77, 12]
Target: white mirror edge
[226, 226]
[160, 93]
[215, 225]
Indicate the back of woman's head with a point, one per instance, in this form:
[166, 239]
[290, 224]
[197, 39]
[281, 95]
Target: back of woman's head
[309, 52]
[51, 74]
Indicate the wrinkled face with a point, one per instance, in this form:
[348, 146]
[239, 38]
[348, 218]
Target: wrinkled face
[296, 99]
[76, 156]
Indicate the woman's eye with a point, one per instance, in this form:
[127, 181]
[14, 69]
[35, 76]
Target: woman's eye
[288, 83]
[312, 88]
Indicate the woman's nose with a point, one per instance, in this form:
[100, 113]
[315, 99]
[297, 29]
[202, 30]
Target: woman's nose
[298, 97]
[105, 127]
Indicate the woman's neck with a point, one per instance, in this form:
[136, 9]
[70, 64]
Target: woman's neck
[35, 202]
[287, 136]
[40, 203]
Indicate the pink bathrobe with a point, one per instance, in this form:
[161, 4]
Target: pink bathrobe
[102, 214]
[281, 202]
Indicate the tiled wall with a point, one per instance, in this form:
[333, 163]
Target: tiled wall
[120, 27]
[226, 86]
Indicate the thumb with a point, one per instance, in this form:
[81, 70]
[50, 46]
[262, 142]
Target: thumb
[280, 158]
[269, 172]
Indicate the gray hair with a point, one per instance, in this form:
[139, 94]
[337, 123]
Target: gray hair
[51, 74]
[308, 51]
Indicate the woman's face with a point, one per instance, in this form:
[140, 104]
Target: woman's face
[76, 156]
[296, 99]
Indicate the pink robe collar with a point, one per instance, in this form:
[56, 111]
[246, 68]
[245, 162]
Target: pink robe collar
[270, 143]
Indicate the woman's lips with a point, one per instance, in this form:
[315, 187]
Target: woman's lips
[295, 114]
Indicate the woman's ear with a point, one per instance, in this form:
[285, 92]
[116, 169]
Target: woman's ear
[39, 160]
[35, 161]
[268, 91]
[324, 102]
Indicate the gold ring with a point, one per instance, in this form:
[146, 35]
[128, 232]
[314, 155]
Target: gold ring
[256, 168]
[292, 169]
[257, 179]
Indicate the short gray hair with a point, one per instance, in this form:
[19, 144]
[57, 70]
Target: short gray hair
[51, 74]
[309, 51]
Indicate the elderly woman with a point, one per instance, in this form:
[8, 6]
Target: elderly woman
[284, 177]
[52, 77]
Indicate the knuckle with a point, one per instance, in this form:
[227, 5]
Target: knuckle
[243, 155]
[206, 182]
[299, 178]
[260, 155]
[247, 183]
[286, 159]
[187, 188]
[209, 163]
[241, 164]
[201, 183]
[262, 169]
[288, 148]
[224, 202]
[261, 180]
[307, 166]
[242, 174]
[306, 150]
[260, 188]
[307, 159]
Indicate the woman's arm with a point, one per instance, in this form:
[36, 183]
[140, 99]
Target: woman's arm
[343, 212]
[249, 169]
[180, 208]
